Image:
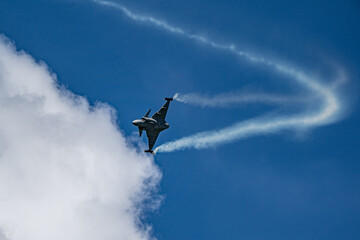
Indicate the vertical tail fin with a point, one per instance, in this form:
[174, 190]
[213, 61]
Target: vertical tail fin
[147, 114]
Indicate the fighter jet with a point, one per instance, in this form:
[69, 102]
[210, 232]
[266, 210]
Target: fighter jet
[154, 125]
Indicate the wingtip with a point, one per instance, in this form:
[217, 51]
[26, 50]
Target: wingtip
[169, 99]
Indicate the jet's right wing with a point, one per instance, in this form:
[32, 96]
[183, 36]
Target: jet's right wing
[161, 114]
[152, 136]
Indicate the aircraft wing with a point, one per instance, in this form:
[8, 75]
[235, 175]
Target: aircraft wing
[152, 136]
[161, 114]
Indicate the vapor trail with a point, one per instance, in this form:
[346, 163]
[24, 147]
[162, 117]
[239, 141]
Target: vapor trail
[223, 100]
[329, 103]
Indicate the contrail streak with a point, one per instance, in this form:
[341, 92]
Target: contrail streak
[328, 111]
[224, 100]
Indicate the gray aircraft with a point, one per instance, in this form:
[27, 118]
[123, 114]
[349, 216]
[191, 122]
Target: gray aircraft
[154, 125]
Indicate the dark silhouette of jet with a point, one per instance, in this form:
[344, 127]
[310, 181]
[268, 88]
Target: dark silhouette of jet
[154, 125]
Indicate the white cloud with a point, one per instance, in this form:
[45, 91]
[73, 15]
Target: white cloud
[66, 171]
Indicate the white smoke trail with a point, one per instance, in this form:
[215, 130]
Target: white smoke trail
[328, 112]
[224, 100]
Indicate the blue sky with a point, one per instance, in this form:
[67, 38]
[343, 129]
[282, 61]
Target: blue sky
[279, 186]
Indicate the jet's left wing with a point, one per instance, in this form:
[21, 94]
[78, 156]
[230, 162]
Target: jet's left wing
[152, 136]
[161, 114]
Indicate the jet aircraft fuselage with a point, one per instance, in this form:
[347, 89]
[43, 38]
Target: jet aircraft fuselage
[153, 125]
[147, 123]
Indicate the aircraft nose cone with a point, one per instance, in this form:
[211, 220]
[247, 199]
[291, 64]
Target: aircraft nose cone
[136, 122]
